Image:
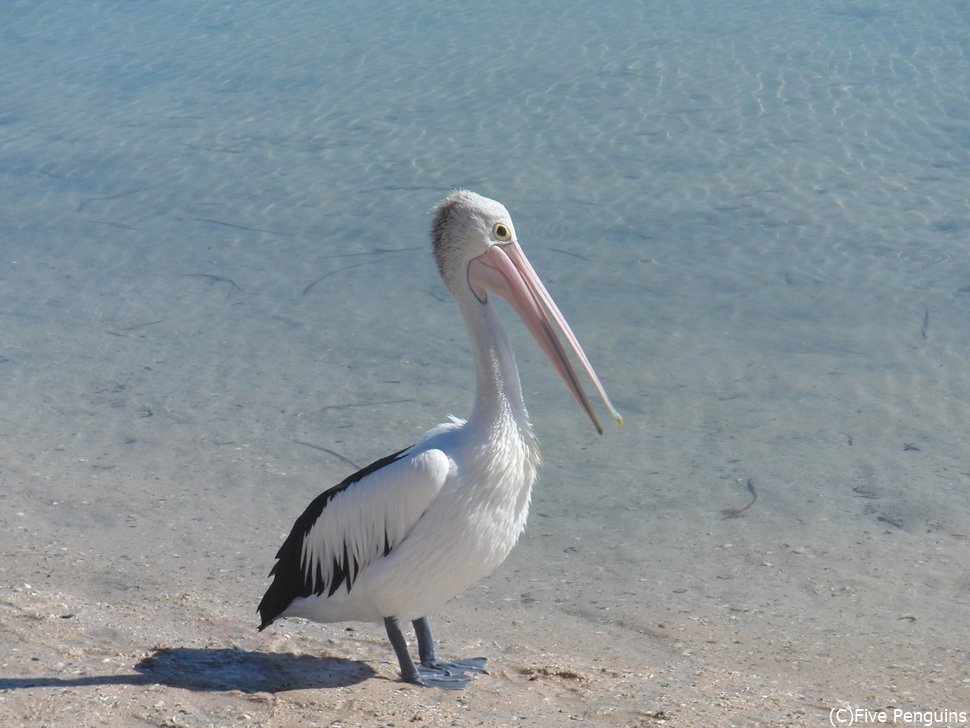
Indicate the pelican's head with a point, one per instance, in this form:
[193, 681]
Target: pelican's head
[465, 226]
[476, 250]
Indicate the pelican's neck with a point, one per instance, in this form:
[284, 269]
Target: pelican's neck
[498, 393]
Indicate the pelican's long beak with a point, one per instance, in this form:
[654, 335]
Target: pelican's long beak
[504, 269]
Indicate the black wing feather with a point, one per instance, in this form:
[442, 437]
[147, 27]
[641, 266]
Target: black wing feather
[290, 581]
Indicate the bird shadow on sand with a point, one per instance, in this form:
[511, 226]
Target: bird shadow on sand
[219, 670]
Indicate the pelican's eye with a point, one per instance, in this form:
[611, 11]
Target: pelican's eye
[501, 232]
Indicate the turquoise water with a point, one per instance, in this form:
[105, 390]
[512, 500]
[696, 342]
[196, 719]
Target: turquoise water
[213, 248]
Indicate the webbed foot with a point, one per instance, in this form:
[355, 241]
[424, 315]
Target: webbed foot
[448, 674]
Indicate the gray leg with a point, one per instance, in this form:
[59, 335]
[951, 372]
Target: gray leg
[409, 673]
[450, 673]
[426, 646]
[432, 671]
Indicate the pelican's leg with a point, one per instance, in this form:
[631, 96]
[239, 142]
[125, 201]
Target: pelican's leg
[440, 671]
[431, 671]
[426, 646]
[409, 673]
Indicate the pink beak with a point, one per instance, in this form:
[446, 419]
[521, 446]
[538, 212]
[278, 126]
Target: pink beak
[503, 268]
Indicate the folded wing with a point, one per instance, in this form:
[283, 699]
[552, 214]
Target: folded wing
[352, 525]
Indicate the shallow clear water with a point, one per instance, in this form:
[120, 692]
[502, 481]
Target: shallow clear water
[213, 249]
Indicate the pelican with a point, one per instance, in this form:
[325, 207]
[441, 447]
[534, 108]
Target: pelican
[410, 531]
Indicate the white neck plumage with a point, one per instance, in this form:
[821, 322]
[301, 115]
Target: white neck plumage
[498, 392]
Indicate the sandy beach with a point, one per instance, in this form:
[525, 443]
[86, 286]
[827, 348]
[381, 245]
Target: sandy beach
[139, 527]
